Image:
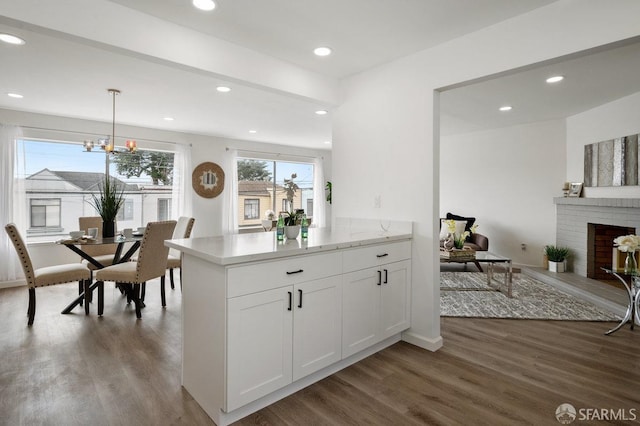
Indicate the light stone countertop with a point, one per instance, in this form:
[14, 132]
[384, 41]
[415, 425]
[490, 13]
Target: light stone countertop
[242, 248]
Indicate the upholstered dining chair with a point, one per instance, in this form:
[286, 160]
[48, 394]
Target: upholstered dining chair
[103, 253]
[150, 264]
[48, 275]
[183, 230]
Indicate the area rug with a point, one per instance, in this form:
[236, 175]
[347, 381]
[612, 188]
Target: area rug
[466, 294]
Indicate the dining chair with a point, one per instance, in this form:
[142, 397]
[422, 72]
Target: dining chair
[150, 264]
[183, 230]
[103, 253]
[48, 275]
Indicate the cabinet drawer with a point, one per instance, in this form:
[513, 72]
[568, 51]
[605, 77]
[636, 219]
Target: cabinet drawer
[371, 256]
[263, 276]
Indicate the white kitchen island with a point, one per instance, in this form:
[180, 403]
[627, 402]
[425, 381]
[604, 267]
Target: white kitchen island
[263, 319]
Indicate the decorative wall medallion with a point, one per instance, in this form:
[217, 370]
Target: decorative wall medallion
[208, 180]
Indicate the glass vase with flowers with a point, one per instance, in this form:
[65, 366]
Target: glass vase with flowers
[629, 244]
[458, 237]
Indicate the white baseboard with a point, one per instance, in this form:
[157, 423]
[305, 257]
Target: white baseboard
[15, 283]
[422, 342]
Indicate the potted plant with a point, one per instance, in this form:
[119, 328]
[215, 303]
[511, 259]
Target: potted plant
[292, 219]
[557, 257]
[108, 203]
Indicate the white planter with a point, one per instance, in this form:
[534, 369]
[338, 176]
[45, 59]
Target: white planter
[556, 266]
[292, 231]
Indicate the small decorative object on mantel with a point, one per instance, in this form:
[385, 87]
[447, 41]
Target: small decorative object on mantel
[208, 180]
[629, 244]
[575, 189]
[565, 188]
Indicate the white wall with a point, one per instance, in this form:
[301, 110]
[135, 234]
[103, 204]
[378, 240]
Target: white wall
[506, 178]
[612, 120]
[387, 124]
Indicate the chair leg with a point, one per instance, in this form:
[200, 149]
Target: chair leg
[136, 300]
[100, 297]
[180, 278]
[87, 296]
[171, 278]
[32, 305]
[162, 296]
[80, 290]
[143, 291]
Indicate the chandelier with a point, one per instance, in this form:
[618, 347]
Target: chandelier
[108, 144]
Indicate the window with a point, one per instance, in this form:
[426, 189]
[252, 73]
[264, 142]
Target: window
[251, 208]
[126, 211]
[280, 186]
[45, 213]
[164, 209]
[60, 179]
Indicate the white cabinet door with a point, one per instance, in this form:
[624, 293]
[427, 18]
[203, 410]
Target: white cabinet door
[259, 341]
[395, 306]
[317, 325]
[361, 310]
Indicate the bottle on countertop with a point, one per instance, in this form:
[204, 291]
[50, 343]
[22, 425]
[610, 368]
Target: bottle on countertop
[304, 227]
[280, 228]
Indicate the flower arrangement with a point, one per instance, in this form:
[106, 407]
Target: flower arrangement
[627, 243]
[459, 239]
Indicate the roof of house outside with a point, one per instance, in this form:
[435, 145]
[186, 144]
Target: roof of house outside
[86, 181]
[256, 187]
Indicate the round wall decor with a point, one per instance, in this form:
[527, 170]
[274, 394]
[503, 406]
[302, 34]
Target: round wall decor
[208, 180]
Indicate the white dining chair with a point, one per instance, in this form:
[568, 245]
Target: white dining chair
[48, 275]
[150, 264]
[183, 230]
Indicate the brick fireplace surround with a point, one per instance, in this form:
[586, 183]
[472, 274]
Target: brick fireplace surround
[573, 216]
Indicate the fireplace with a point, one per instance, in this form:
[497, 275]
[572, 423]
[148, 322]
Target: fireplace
[573, 219]
[600, 250]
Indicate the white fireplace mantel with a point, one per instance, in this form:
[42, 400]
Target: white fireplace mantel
[599, 202]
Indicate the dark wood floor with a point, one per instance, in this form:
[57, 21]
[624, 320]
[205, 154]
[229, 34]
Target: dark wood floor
[116, 370]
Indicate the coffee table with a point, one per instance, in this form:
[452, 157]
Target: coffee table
[491, 259]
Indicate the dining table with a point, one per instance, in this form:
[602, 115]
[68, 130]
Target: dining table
[77, 245]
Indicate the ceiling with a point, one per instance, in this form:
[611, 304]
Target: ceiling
[63, 74]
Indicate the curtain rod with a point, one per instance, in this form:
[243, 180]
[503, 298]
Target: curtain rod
[98, 134]
[276, 154]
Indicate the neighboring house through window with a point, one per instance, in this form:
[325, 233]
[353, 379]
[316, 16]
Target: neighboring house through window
[262, 186]
[251, 208]
[45, 213]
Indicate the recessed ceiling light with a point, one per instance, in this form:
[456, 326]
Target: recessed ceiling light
[168, 119]
[253, 131]
[322, 51]
[15, 95]
[327, 142]
[11, 39]
[321, 112]
[506, 108]
[555, 79]
[223, 89]
[204, 4]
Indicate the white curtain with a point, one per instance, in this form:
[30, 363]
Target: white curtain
[182, 202]
[319, 199]
[12, 203]
[230, 204]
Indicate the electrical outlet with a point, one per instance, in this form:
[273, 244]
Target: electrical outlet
[523, 246]
[377, 202]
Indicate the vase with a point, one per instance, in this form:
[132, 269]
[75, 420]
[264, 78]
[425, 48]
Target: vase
[630, 264]
[556, 266]
[292, 231]
[108, 229]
